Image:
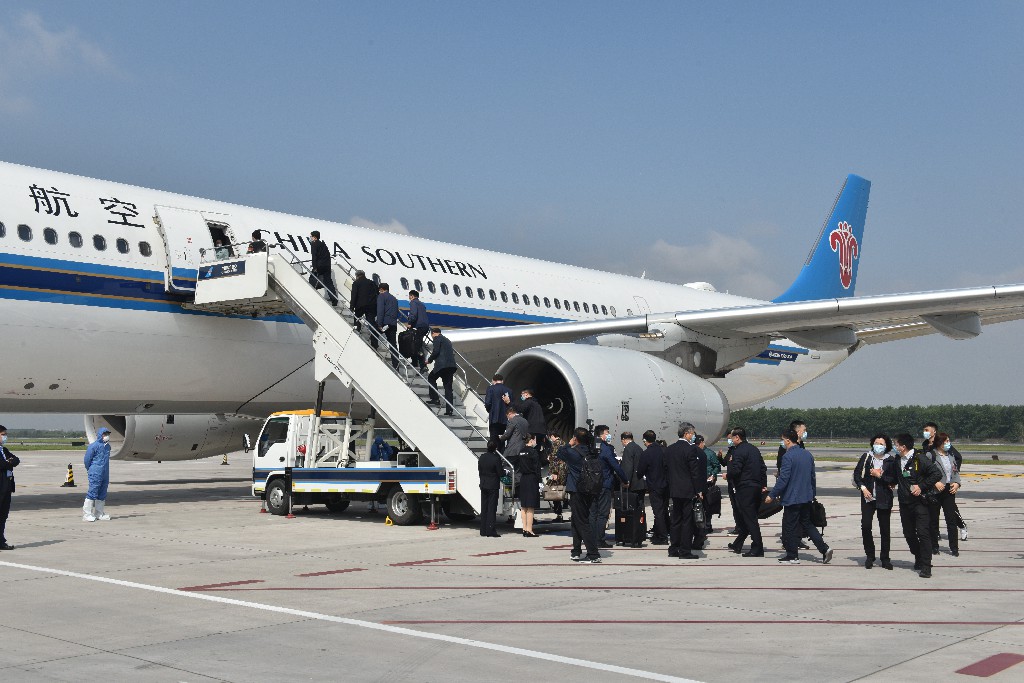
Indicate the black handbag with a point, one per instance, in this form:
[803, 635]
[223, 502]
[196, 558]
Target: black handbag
[698, 512]
[818, 516]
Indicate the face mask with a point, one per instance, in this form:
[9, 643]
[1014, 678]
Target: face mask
[927, 435]
[946, 446]
[3, 439]
[782, 443]
[608, 438]
[522, 397]
[878, 448]
[728, 443]
[692, 440]
[106, 438]
[803, 437]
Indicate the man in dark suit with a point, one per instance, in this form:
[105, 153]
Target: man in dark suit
[684, 484]
[796, 488]
[419, 322]
[631, 454]
[321, 266]
[652, 469]
[530, 408]
[443, 358]
[387, 319]
[364, 301]
[8, 461]
[491, 471]
[494, 402]
[748, 473]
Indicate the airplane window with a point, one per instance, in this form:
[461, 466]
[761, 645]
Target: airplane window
[405, 283]
[145, 249]
[493, 295]
[526, 299]
[122, 245]
[515, 298]
[480, 292]
[604, 309]
[575, 305]
[444, 289]
[586, 307]
[566, 304]
[558, 304]
[504, 298]
[100, 242]
[456, 290]
[431, 288]
[536, 300]
[75, 239]
[612, 309]
[469, 292]
[547, 302]
[419, 285]
[3, 230]
[25, 233]
[595, 309]
[50, 236]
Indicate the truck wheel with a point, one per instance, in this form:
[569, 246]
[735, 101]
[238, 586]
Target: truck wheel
[336, 504]
[459, 516]
[403, 508]
[277, 498]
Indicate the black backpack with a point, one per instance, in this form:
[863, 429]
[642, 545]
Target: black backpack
[591, 477]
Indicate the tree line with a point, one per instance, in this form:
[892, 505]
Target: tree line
[962, 422]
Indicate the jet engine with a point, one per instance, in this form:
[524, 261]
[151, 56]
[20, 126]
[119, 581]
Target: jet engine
[624, 389]
[172, 437]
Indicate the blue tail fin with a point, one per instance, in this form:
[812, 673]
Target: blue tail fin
[830, 271]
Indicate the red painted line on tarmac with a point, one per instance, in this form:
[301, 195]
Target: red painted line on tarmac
[725, 622]
[499, 552]
[333, 571]
[415, 562]
[214, 586]
[745, 563]
[624, 588]
[990, 666]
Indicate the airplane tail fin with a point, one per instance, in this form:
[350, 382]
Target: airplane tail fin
[830, 271]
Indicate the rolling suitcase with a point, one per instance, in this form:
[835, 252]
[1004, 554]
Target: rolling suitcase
[407, 343]
[630, 520]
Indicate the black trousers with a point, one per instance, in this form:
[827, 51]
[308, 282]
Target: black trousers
[681, 534]
[748, 500]
[488, 511]
[446, 375]
[580, 505]
[915, 516]
[5, 509]
[599, 511]
[367, 313]
[390, 333]
[417, 348]
[732, 503]
[947, 505]
[868, 512]
[796, 524]
[325, 277]
[496, 430]
[659, 506]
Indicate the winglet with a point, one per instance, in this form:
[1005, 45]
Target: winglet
[830, 271]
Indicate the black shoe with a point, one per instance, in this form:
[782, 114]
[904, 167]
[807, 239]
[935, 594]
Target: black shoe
[886, 564]
[735, 549]
[558, 518]
[576, 556]
[917, 566]
[448, 413]
[659, 541]
[935, 550]
[826, 556]
[786, 559]
[803, 546]
[954, 553]
[6, 546]
[591, 559]
[926, 573]
[494, 535]
[751, 553]
[869, 563]
[605, 544]
[530, 534]
[688, 556]
[433, 403]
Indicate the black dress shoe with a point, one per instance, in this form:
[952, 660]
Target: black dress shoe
[803, 546]
[659, 541]
[735, 549]
[954, 553]
[886, 564]
[925, 573]
[530, 534]
[6, 546]
[494, 535]
[433, 403]
[751, 553]
[869, 563]
[688, 556]
[917, 566]
[605, 544]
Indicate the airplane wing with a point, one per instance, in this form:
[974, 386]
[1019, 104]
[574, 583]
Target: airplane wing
[823, 324]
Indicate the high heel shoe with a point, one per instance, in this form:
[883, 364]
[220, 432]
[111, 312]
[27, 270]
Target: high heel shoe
[530, 534]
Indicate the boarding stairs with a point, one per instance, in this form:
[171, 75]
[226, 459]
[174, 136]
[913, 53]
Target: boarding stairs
[275, 282]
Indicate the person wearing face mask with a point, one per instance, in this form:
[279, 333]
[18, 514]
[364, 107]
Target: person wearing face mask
[875, 477]
[529, 408]
[796, 488]
[916, 481]
[686, 481]
[748, 473]
[941, 455]
[612, 470]
[97, 464]
[800, 428]
[8, 461]
[929, 432]
[652, 469]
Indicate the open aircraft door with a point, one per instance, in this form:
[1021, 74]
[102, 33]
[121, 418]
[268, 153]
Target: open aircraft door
[184, 233]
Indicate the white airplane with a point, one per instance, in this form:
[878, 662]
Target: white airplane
[96, 278]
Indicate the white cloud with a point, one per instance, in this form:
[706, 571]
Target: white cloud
[729, 263]
[30, 51]
[391, 226]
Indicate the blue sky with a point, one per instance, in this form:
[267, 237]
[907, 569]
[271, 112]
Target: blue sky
[694, 141]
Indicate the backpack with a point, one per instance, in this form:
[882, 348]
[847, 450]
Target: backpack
[591, 477]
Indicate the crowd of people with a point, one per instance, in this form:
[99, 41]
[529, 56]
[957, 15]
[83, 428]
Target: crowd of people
[679, 483]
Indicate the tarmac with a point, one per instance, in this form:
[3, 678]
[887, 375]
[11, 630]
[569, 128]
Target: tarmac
[189, 582]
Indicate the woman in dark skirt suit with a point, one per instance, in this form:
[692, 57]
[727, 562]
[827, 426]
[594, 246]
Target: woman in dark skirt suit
[529, 484]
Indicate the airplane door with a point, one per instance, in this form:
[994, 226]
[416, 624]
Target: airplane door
[184, 233]
[641, 304]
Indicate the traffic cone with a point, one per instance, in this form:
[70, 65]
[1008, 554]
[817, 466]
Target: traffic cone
[71, 477]
[388, 522]
[224, 461]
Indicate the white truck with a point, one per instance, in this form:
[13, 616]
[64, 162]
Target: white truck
[303, 459]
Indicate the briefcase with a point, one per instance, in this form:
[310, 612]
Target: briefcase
[766, 510]
[553, 492]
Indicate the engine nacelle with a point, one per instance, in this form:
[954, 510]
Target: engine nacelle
[172, 437]
[626, 390]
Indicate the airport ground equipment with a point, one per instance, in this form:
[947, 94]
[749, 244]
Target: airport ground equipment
[445, 448]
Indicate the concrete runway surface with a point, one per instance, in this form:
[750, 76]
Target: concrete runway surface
[189, 583]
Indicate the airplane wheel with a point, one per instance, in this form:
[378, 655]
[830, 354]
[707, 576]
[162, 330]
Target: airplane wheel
[277, 498]
[403, 508]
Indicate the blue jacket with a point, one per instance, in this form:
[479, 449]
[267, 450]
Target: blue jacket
[443, 355]
[495, 406]
[97, 455]
[796, 483]
[387, 309]
[381, 450]
[573, 457]
[611, 466]
[418, 317]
